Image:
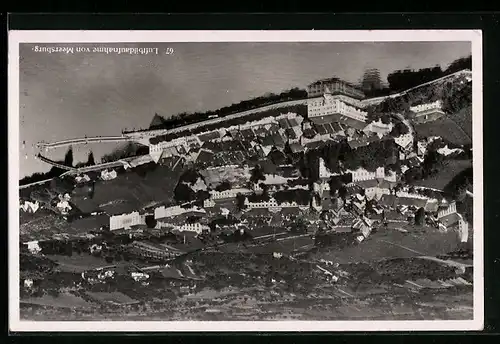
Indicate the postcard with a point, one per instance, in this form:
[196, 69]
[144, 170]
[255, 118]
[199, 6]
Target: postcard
[245, 181]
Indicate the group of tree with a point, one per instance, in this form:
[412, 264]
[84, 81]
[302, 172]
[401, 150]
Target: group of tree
[404, 79]
[372, 156]
[459, 185]
[339, 155]
[456, 97]
[240, 201]
[267, 99]
[130, 149]
[301, 196]
[432, 164]
[257, 174]
[399, 129]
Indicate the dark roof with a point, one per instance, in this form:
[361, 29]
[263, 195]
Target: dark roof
[268, 166]
[235, 134]
[293, 122]
[309, 132]
[273, 128]
[283, 123]
[296, 147]
[209, 136]
[320, 128]
[205, 156]
[337, 126]
[291, 134]
[360, 142]
[329, 128]
[352, 123]
[248, 133]
[278, 140]
[367, 183]
[316, 144]
[245, 144]
[267, 141]
[260, 131]
[85, 205]
[388, 200]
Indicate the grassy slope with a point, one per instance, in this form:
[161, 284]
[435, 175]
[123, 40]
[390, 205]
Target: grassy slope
[446, 128]
[445, 175]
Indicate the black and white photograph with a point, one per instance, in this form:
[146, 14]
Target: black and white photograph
[225, 180]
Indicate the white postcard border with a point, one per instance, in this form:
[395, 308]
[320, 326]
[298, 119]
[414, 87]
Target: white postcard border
[16, 37]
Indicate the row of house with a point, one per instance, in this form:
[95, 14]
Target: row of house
[427, 112]
[271, 131]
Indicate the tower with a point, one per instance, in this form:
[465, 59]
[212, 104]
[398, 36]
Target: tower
[371, 80]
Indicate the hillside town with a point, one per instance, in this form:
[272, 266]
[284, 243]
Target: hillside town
[335, 190]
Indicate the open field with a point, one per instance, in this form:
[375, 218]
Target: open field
[77, 262]
[387, 244]
[445, 175]
[445, 128]
[463, 119]
[65, 300]
[136, 191]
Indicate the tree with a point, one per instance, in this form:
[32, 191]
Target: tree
[420, 217]
[90, 159]
[240, 201]
[68, 158]
[150, 221]
[257, 174]
[399, 129]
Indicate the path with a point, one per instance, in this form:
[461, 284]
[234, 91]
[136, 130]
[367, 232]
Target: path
[447, 262]
[85, 140]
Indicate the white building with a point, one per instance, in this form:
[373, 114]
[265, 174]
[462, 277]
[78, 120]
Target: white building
[463, 229]
[106, 175]
[362, 174]
[323, 171]
[328, 105]
[63, 206]
[169, 148]
[126, 221]
[378, 128]
[192, 227]
[426, 107]
[33, 246]
[451, 209]
[208, 203]
[404, 140]
[261, 122]
[447, 151]
[30, 207]
[376, 192]
[231, 193]
[270, 204]
[427, 112]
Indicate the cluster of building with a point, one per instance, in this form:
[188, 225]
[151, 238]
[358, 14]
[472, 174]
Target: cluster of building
[334, 110]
